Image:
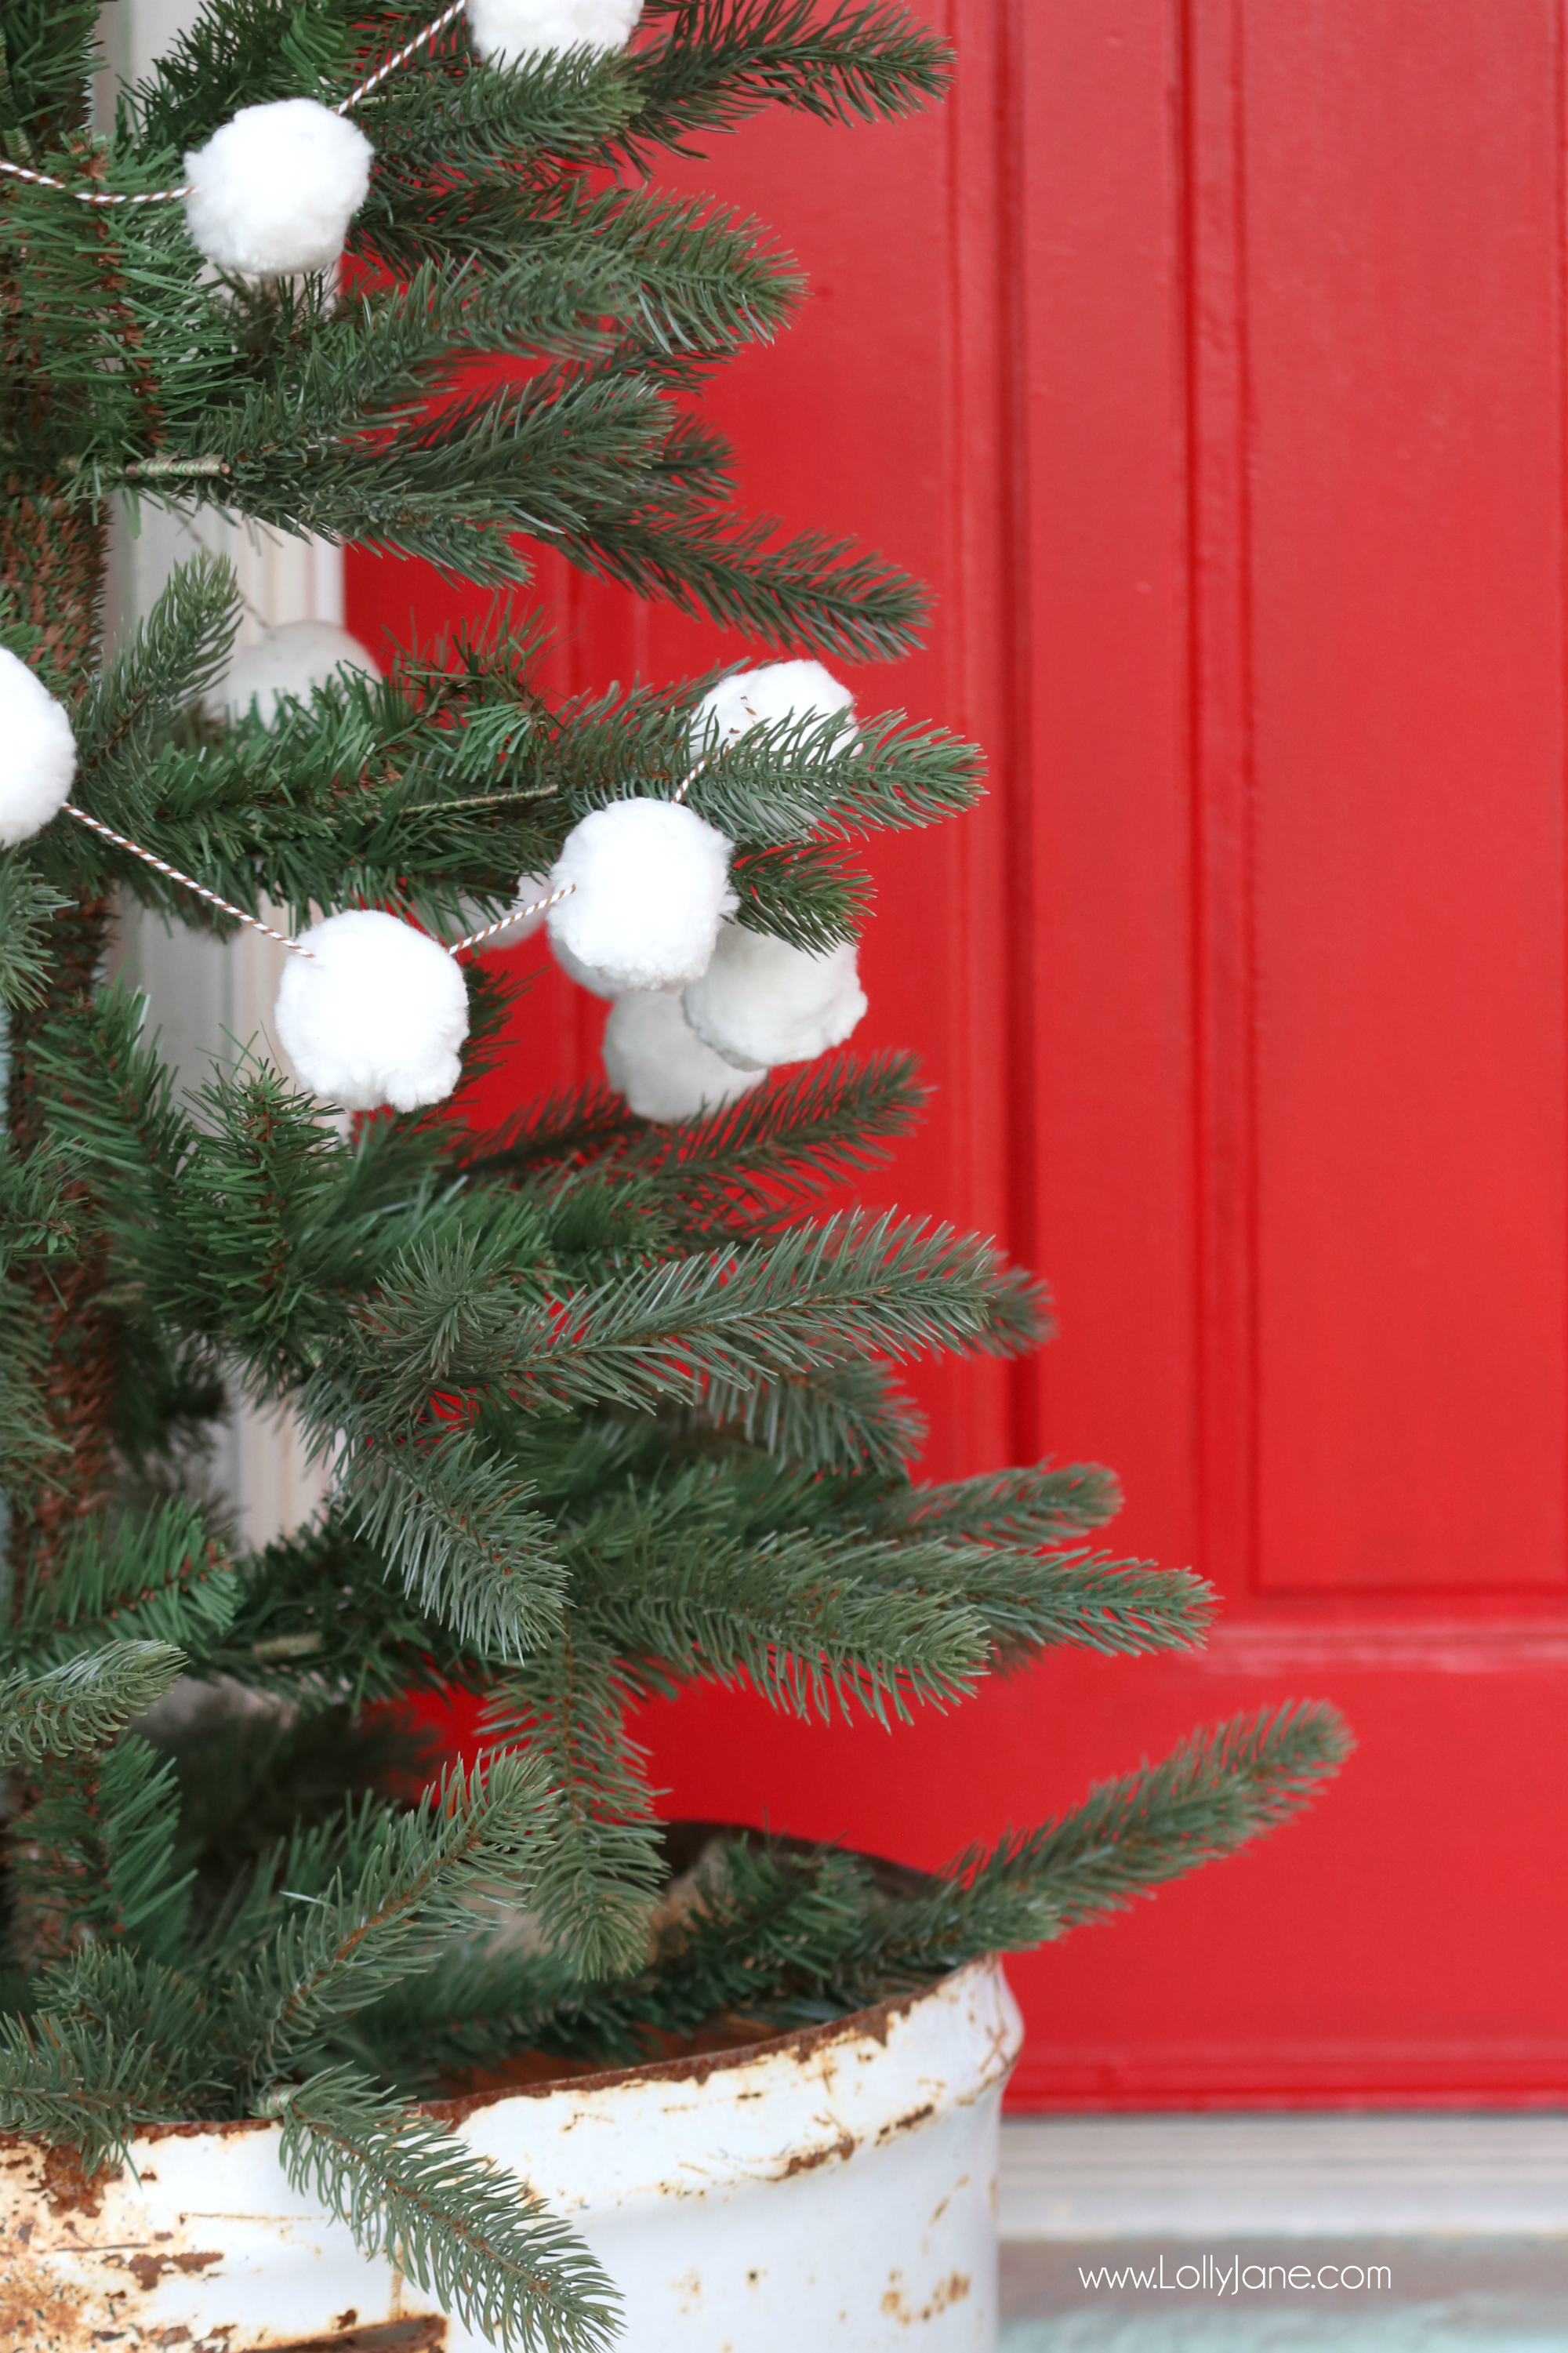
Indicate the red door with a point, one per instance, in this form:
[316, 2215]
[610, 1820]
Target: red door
[1210, 360]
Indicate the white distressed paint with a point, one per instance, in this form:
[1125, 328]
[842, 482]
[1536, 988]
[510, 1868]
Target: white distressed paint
[1312, 2176]
[836, 2188]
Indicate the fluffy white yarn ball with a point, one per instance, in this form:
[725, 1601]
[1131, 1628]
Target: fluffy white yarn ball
[276, 188]
[662, 1068]
[650, 886]
[38, 752]
[376, 1013]
[505, 31]
[583, 974]
[751, 698]
[287, 661]
[762, 1002]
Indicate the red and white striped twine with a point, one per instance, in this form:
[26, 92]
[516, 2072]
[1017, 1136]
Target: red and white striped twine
[432, 32]
[161, 866]
[514, 915]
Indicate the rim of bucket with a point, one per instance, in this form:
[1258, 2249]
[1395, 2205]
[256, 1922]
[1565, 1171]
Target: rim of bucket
[686, 1841]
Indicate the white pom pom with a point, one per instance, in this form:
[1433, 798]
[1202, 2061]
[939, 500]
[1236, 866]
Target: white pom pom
[583, 974]
[276, 189]
[505, 31]
[786, 689]
[762, 1002]
[650, 884]
[376, 1015]
[38, 752]
[286, 661]
[662, 1068]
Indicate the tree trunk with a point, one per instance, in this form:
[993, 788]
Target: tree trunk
[52, 563]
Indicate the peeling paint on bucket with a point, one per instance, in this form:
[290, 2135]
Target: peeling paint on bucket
[836, 2185]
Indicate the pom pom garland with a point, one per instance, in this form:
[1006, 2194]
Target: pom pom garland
[374, 1012]
[275, 189]
[230, 192]
[370, 1010]
[762, 1002]
[38, 752]
[503, 32]
[755, 698]
[661, 1066]
[289, 661]
[650, 886]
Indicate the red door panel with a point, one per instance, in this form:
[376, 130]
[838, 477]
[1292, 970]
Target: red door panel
[1206, 358]
[1404, 426]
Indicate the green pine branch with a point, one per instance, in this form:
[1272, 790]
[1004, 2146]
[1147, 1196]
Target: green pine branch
[27, 903]
[153, 1578]
[566, 1707]
[767, 1936]
[810, 1131]
[813, 590]
[455, 1527]
[1215, 1794]
[476, 1842]
[83, 1703]
[93, 1847]
[318, 1613]
[469, 2232]
[853, 1416]
[717, 63]
[71, 2082]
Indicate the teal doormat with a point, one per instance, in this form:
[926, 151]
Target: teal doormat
[1472, 2324]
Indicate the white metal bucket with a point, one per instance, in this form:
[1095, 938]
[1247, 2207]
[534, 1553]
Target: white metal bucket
[835, 2186]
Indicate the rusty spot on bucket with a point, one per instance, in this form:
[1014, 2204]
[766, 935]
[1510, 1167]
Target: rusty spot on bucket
[384, 2336]
[69, 2190]
[807, 2160]
[946, 2293]
[148, 2270]
[34, 2311]
[906, 2122]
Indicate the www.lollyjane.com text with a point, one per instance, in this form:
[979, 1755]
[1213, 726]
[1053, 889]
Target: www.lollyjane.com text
[1235, 2276]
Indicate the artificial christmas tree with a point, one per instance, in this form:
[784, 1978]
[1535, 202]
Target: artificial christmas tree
[610, 1403]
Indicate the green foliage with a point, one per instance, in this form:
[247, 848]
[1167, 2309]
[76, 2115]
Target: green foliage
[79, 2078]
[717, 64]
[49, 50]
[607, 1408]
[467, 2231]
[568, 1706]
[768, 1936]
[27, 902]
[455, 1527]
[149, 1577]
[470, 1842]
[83, 1703]
[1215, 1792]
[96, 1852]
